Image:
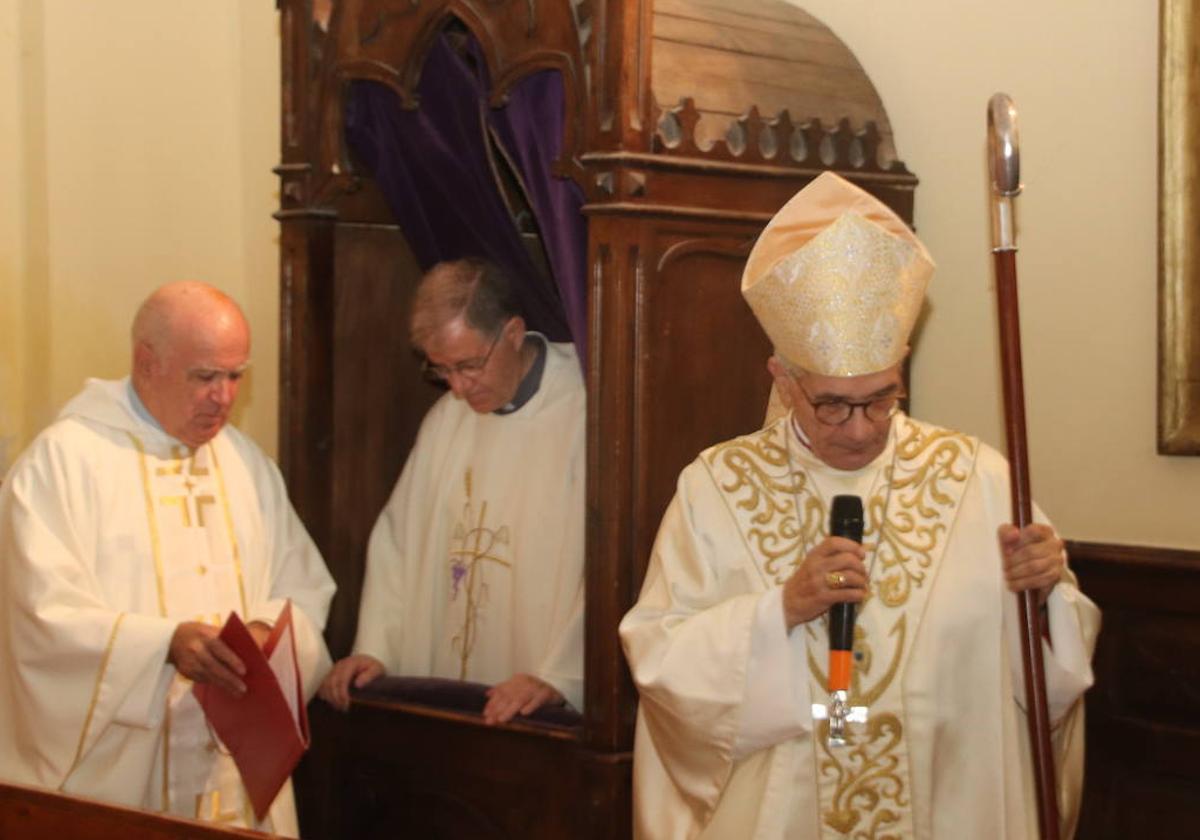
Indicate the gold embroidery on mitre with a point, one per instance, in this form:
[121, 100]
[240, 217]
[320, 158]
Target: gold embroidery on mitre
[843, 303]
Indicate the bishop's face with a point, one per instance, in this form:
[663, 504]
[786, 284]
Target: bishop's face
[485, 370]
[860, 437]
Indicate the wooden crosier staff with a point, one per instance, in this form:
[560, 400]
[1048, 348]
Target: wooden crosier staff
[1005, 164]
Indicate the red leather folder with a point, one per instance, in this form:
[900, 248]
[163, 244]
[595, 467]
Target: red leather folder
[266, 729]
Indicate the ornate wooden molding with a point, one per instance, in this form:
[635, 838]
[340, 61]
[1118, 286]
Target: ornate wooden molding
[389, 45]
[1181, 560]
[777, 141]
[732, 248]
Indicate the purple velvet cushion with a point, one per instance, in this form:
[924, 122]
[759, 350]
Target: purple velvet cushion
[455, 695]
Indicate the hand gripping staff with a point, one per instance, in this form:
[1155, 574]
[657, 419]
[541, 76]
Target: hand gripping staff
[1005, 164]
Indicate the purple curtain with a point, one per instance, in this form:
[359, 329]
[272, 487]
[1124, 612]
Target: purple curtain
[433, 168]
[530, 131]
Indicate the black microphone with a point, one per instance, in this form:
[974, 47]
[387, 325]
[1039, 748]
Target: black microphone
[845, 520]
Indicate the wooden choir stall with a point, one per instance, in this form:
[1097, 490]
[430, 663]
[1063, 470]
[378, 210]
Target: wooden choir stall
[678, 129]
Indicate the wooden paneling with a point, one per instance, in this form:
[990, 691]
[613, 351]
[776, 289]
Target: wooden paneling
[399, 771]
[379, 399]
[1143, 713]
[701, 363]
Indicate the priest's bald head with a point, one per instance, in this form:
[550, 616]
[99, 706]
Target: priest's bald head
[467, 324]
[837, 280]
[191, 346]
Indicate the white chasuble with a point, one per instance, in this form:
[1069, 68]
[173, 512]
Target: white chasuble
[113, 533]
[726, 743]
[475, 566]
[197, 557]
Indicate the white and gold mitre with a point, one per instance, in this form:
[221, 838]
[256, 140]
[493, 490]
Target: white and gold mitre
[837, 279]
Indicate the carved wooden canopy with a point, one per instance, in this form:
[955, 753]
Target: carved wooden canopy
[756, 83]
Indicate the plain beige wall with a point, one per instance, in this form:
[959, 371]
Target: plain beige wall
[1084, 79]
[136, 144]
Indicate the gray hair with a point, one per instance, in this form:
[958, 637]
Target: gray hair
[477, 290]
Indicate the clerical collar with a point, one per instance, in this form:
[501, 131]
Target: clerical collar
[139, 407]
[533, 379]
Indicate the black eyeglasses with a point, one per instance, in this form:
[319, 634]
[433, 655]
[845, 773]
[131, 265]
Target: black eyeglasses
[835, 412]
[468, 368]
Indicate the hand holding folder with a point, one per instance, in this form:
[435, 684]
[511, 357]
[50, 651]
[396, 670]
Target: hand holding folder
[266, 729]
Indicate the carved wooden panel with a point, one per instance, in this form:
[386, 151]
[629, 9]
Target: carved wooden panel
[394, 771]
[701, 363]
[734, 54]
[379, 400]
[1143, 713]
[387, 41]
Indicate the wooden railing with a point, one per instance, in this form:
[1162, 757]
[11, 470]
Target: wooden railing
[31, 814]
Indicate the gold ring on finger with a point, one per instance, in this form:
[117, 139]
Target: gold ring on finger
[836, 580]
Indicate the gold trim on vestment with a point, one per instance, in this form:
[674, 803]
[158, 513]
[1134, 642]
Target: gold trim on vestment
[155, 544]
[237, 557]
[87, 720]
[757, 466]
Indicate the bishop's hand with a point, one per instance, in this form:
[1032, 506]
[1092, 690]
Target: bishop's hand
[832, 573]
[1033, 558]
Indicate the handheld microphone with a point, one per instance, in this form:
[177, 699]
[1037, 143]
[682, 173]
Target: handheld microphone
[845, 520]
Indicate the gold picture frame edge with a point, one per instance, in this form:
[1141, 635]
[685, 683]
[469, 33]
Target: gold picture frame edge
[1179, 220]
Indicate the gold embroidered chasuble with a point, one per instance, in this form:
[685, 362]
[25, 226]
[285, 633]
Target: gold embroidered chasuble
[726, 746]
[910, 507]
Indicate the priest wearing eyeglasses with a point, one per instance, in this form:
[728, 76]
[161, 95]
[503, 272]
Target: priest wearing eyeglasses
[730, 638]
[475, 565]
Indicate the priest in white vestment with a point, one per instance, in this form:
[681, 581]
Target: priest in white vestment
[129, 530]
[729, 639]
[475, 565]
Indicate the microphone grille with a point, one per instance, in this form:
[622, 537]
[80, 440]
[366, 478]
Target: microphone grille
[846, 517]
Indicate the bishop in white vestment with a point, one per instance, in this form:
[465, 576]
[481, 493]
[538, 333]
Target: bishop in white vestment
[117, 537]
[728, 642]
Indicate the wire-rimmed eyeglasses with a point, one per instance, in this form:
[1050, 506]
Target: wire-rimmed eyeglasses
[469, 368]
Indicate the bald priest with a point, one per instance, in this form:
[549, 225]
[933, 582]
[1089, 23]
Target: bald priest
[129, 530]
[729, 638]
